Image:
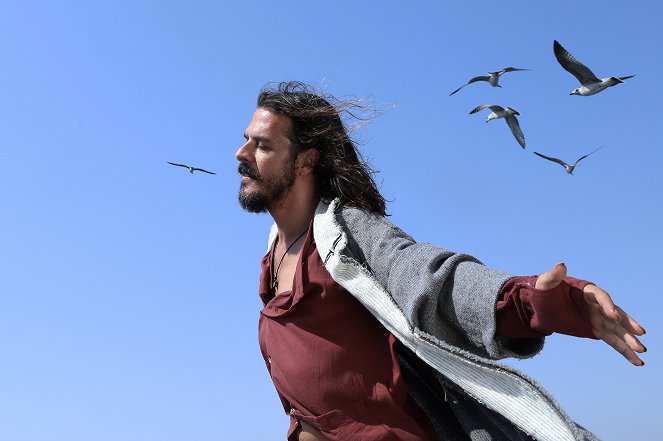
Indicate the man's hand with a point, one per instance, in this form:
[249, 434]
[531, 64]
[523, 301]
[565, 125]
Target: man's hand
[609, 322]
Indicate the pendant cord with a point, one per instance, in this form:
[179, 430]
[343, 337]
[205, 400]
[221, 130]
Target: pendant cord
[275, 282]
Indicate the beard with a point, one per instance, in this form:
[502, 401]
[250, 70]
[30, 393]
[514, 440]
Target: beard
[272, 188]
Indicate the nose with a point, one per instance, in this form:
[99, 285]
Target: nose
[242, 154]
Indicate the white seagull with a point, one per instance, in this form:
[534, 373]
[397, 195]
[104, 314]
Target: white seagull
[190, 168]
[492, 79]
[569, 168]
[509, 116]
[591, 84]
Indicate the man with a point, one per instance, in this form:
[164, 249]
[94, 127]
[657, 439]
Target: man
[368, 335]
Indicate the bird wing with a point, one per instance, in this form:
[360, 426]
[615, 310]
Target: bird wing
[473, 80]
[178, 165]
[559, 161]
[203, 170]
[512, 69]
[573, 66]
[492, 107]
[512, 122]
[583, 157]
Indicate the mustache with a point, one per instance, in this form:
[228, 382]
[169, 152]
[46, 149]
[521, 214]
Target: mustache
[245, 170]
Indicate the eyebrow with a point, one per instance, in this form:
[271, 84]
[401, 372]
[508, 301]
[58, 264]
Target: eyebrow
[262, 139]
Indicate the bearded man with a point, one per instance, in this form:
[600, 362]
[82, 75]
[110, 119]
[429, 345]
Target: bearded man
[369, 335]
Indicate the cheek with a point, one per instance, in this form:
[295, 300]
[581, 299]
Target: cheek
[268, 165]
[261, 161]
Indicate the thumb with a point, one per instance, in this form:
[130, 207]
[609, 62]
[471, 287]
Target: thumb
[552, 278]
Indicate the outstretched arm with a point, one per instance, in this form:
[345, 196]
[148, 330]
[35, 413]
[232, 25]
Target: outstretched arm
[609, 322]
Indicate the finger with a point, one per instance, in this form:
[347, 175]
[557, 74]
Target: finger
[603, 326]
[552, 278]
[604, 301]
[623, 348]
[627, 335]
[609, 309]
[629, 323]
[634, 343]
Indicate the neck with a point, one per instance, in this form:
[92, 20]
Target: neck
[294, 214]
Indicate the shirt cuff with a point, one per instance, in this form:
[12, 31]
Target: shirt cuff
[522, 311]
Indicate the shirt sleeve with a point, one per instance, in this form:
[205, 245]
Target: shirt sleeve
[523, 311]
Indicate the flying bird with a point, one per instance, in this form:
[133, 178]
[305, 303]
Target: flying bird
[569, 168]
[591, 84]
[190, 168]
[492, 78]
[509, 116]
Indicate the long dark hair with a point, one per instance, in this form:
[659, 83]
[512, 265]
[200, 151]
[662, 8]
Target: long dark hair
[340, 171]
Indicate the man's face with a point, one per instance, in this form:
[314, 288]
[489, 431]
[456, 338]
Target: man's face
[267, 164]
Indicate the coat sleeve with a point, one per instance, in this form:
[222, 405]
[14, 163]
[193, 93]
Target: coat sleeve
[449, 295]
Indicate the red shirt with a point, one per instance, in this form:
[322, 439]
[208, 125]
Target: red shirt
[334, 365]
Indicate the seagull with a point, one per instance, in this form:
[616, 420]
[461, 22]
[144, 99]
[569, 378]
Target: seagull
[509, 116]
[590, 83]
[569, 168]
[191, 169]
[492, 79]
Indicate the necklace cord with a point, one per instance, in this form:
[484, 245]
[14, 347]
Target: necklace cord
[275, 282]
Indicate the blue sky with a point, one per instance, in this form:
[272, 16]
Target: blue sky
[128, 288]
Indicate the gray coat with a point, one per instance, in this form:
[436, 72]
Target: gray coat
[441, 306]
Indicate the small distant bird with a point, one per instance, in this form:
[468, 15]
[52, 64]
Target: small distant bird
[191, 169]
[492, 79]
[591, 84]
[509, 116]
[569, 168]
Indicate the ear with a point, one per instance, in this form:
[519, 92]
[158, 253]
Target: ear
[307, 160]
